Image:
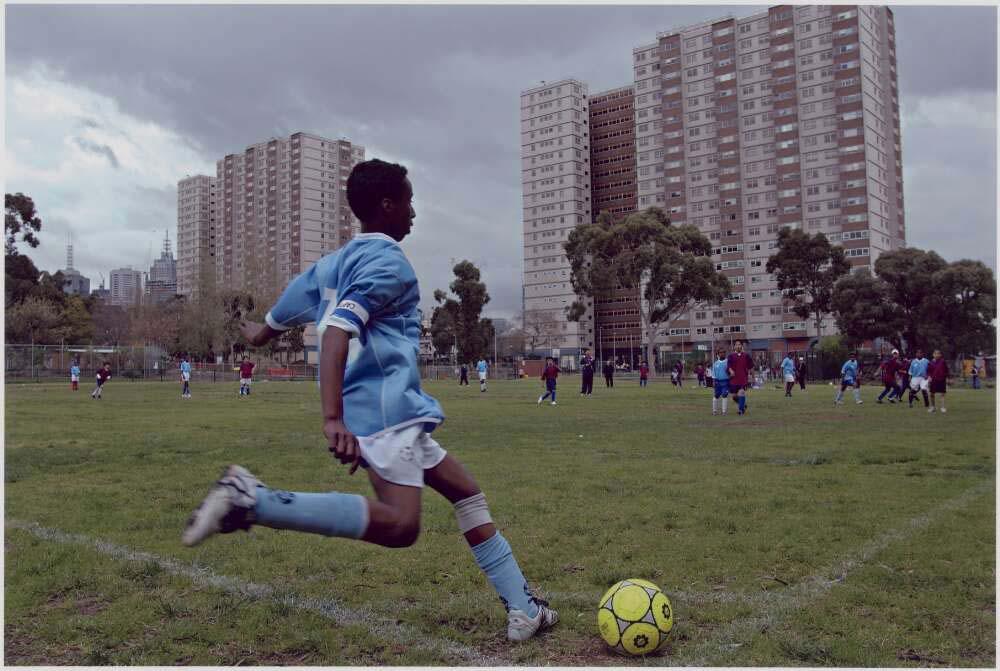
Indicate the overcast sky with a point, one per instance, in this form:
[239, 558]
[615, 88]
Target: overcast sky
[107, 107]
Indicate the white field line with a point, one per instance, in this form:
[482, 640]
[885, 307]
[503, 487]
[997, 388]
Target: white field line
[381, 627]
[776, 606]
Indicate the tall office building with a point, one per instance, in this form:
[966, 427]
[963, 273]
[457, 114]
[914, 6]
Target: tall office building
[784, 119]
[74, 282]
[161, 282]
[126, 286]
[195, 232]
[555, 178]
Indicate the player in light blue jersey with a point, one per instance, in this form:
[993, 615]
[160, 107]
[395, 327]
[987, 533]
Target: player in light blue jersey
[720, 380]
[788, 371]
[483, 368]
[849, 377]
[364, 301]
[918, 378]
[186, 377]
[74, 376]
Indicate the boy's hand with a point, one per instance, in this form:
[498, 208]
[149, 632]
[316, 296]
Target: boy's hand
[255, 333]
[342, 443]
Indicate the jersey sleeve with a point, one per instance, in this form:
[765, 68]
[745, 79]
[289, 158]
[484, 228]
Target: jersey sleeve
[297, 304]
[368, 284]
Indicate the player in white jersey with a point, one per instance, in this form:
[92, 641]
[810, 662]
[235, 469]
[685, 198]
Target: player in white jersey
[364, 300]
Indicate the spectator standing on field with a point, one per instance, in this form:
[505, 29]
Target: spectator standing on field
[699, 370]
[788, 369]
[609, 374]
[463, 373]
[975, 376]
[587, 373]
[643, 374]
[800, 373]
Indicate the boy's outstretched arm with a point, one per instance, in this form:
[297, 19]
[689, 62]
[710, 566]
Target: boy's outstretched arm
[257, 333]
[332, 364]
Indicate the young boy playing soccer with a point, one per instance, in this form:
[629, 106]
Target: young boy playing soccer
[739, 366]
[549, 376]
[643, 374]
[246, 375]
[720, 381]
[888, 369]
[937, 373]
[186, 377]
[849, 378]
[74, 376]
[364, 299]
[482, 367]
[103, 375]
[918, 377]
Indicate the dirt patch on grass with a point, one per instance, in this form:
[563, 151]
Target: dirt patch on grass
[22, 649]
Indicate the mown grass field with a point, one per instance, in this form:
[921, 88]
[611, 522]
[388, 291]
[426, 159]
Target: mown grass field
[801, 534]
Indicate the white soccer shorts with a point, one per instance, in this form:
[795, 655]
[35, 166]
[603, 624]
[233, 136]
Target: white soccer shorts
[917, 383]
[789, 377]
[246, 380]
[74, 378]
[402, 456]
[186, 377]
[482, 377]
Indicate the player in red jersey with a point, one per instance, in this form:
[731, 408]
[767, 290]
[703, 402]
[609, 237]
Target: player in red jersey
[740, 366]
[246, 375]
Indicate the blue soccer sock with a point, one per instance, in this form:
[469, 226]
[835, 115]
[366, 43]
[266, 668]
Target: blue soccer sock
[495, 558]
[741, 401]
[329, 514]
[553, 395]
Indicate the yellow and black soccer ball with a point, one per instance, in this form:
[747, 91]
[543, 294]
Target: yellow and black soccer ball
[634, 617]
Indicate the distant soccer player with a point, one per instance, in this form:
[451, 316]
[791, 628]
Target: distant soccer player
[918, 378]
[549, 376]
[720, 382]
[889, 369]
[788, 370]
[937, 372]
[679, 370]
[800, 373]
[699, 372]
[643, 374]
[609, 373]
[739, 367]
[849, 375]
[103, 375]
[463, 375]
[364, 300]
[74, 376]
[482, 367]
[587, 373]
[186, 377]
[246, 375]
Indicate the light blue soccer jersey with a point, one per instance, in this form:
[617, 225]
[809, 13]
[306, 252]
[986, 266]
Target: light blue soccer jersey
[849, 372]
[481, 366]
[367, 288]
[74, 371]
[720, 370]
[918, 368]
[787, 366]
[185, 366]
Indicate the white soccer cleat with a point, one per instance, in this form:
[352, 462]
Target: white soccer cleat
[859, 402]
[930, 409]
[520, 627]
[553, 402]
[943, 410]
[227, 508]
[540, 400]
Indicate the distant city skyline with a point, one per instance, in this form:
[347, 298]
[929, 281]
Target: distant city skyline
[99, 136]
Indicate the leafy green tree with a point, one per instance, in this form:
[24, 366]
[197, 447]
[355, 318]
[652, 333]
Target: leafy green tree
[31, 321]
[20, 278]
[76, 325]
[807, 267]
[112, 324]
[294, 341]
[966, 292]
[669, 267]
[908, 274]
[20, 218]
[861, 309]
[461, 322]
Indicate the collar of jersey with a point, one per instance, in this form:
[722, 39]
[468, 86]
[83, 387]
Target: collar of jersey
[374, 236]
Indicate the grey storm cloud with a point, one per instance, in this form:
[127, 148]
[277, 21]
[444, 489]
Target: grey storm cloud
[436, 87]
[99, 149]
